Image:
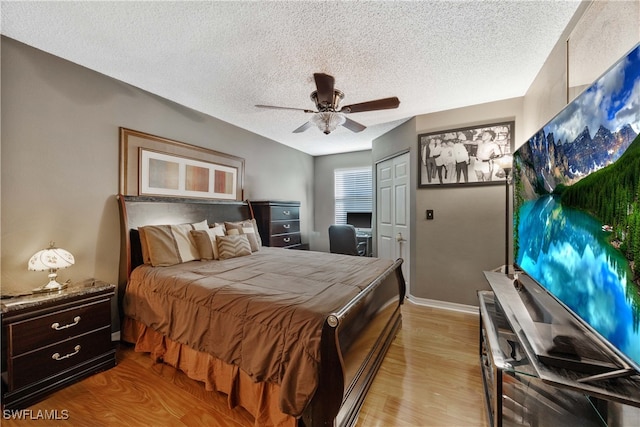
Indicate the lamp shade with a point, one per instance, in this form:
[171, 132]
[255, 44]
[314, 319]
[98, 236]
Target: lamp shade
[328, 121]
[51, 258]
[504, 162]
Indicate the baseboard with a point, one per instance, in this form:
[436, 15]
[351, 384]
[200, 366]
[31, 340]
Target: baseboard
[445, 305]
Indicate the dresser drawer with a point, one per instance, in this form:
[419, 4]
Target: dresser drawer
[44, 362]
[279, 213]
[45, 330]
[285, 240]
[282, 227]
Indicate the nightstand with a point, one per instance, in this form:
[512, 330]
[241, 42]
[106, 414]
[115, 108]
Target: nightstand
[52, 340]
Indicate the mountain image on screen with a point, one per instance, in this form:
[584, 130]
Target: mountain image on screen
[577, 206]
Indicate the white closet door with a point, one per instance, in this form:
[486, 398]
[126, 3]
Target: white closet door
[392, 210]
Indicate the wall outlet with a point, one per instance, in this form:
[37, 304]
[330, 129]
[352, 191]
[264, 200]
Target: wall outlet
[429, 213]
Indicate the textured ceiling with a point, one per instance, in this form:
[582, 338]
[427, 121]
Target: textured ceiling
[222, 58]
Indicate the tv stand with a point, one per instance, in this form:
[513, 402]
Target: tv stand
[570, 382]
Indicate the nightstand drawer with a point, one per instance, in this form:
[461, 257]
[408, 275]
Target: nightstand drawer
[45, 330]
[44, 362]
[285, 240]
[284, 213]
[282, 227]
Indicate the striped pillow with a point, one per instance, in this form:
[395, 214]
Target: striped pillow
[233, 246]
[247, 227]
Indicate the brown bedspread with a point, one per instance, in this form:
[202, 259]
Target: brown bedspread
[263, 313]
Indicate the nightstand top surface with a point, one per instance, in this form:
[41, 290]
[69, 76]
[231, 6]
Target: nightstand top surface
[74, 290]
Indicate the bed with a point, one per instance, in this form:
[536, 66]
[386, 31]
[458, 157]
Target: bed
[295, 337]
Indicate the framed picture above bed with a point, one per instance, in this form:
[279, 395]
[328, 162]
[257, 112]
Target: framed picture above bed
[157, 166]
[465, 156]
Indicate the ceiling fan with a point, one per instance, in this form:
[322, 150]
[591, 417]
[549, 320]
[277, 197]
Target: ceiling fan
[329, 114]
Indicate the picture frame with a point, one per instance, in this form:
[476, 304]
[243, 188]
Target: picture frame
[170, 175]
[464, 156]
[156, 166]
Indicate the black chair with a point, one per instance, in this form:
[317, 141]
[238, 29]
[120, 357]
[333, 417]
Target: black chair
[343, 240]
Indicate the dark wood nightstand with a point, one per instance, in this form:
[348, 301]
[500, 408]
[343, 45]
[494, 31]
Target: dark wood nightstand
[52, 340]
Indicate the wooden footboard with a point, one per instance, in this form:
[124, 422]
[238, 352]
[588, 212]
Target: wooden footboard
[354, 343]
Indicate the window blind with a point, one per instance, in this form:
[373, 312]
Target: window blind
[353, 192]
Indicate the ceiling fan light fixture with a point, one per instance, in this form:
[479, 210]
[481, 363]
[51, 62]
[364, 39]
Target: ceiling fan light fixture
[327, 122]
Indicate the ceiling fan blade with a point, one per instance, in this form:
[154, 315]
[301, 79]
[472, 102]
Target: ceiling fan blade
[273, 107]
[378, 104]
[303, 127]
[324, 84]
[353, 126]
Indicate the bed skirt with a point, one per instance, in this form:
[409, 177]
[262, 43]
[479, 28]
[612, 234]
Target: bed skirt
[259, 399]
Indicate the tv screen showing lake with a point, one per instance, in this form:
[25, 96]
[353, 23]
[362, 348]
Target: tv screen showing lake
[575, 261]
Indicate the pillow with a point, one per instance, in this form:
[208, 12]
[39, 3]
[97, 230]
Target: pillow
[233, 246]
[169, 244]
[247, 227]
[202, 225]
[206, 242]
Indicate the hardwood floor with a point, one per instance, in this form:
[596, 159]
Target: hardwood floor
[430, 377]
[431, 374]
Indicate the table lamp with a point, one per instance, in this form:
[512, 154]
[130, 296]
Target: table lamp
[51, 259]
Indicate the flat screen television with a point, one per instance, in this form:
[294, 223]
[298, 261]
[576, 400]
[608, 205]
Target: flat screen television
[577, 207]
[360, 220]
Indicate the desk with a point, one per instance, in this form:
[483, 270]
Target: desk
[366, 237]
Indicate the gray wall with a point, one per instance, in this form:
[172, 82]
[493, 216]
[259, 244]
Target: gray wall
[468, 233]
[59, 170]
[323, 192]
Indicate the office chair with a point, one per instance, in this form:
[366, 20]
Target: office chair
[343, 240]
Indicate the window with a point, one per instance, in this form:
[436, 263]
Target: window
[353, 192]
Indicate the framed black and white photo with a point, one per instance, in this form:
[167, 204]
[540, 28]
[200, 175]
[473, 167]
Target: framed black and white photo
[464, 156]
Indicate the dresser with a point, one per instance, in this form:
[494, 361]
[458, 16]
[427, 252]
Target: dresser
[52, 340]
[278, 223]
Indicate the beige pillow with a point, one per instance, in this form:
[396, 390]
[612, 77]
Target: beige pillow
[206, 242]
[146, 257]
[249, 228]
[202, 225]
[233, 246]
[143, 246]
[169, 244]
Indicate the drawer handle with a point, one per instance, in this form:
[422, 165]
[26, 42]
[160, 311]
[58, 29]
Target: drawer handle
[57, 326]
[56, 356]
[287, 226]
[286, 212]
[287, 239]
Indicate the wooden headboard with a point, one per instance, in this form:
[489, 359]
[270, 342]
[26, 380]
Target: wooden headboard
[137, 211]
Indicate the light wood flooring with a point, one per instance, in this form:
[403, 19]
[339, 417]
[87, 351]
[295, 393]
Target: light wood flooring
[430, 377]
